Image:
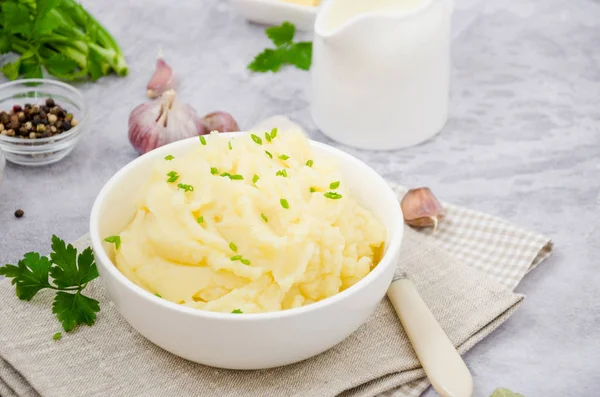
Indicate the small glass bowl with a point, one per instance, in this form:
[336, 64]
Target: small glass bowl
[42, 151]
[2, 165]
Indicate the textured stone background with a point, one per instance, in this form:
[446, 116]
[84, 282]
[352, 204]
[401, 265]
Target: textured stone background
[523, 143]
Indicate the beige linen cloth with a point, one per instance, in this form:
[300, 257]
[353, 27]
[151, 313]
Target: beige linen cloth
[465, 272]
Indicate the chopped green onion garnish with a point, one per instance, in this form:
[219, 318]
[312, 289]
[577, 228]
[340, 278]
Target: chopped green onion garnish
[159, 295]
[169, 157]
[226, 174]
[282, 173]
[312, 189]
[334, 185]
[236, 258]
[309, 163]
[57, 336]
[246, 262]
[173, 176]
[236, 177]
[284, 203]
[203, 140]
[200, 219]
[229, 144]
[114, 239]
[264, 217]
[284, 156]
[255, 179]
[256, 139]
[268, 154]
[214, 171]
[187, 188]
[237, 311]
[333, 195]
[267, 137]
[273, 133]
[233, 247]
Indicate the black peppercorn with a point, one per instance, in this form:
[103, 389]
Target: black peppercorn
[23, 131]
[19, 213]
[50, 102]
[66, 125]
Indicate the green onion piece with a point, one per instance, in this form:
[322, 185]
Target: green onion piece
[334, 185]
[255, 179]
[268, 154]
[173, 176]
[236, 177]
[333, 195]
[309, 163]
[114, 239]
[267, 137]
[236, 258]
[233, 247]
[284, 156]
[169, 157]
[57, 336]
[229, 144]
[284, 203]
[200, 219]
[264, 217]
[237, 311]
[246, 262]
[159, 295]
[273, 133]
[226, 174]
[312, 189]
[282, 173]
[214, 171]
[202, 140]
[256, 139]
[187, 188]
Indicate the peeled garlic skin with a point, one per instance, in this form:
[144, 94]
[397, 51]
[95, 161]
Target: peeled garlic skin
[220, 121]
[162, 80]
[421, 208]
[146, 133]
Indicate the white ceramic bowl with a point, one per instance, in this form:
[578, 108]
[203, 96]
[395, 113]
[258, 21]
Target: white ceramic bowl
[275, 12]
[243, 341]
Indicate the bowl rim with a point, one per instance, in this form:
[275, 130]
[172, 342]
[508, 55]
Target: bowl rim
[56, 138]
[96, 241]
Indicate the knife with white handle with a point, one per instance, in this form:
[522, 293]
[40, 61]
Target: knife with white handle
[444, 367]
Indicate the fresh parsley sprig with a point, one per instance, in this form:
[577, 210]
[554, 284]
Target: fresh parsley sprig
[286, 51]
[65, 272]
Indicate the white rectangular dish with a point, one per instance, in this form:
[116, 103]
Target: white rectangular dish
[275, 12]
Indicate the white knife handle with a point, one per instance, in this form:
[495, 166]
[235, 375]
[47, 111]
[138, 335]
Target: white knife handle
[444, 367]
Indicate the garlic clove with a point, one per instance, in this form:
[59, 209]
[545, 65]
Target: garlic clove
[162, 80]
[421, 208]
[220, 121]
[163, 121]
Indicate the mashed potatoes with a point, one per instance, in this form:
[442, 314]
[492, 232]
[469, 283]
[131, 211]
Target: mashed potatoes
[248, 224]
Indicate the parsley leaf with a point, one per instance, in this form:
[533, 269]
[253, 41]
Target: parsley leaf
[299, 55]
[282, 34]
[30, 275]
[60, 65]
[74, 309]
[267, 61]
[71, 270]
[70, 274]
[286, 51]
[57, 336]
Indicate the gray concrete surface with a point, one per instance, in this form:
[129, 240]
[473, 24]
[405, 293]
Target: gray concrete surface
[523, 143]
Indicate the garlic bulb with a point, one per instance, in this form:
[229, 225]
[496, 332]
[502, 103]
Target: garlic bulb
[162, 80]
[163, 121]
[421, 208]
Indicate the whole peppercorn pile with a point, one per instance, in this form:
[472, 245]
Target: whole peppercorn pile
[36, 121]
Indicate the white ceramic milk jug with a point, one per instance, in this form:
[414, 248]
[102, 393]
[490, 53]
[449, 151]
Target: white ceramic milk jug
[380, 71]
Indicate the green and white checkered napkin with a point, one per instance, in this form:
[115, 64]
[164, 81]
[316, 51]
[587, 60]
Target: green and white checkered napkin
[465, 272]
